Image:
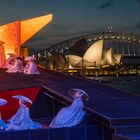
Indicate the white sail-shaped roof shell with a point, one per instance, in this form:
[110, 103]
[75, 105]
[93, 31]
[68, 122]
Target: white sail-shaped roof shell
[85, 63]
[117, 58]
[104, 53]
[73, 59]
[94, 53]
[107, 60]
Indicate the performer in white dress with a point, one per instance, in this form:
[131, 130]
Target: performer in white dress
[72, 115]
[9, 60]
[2, 54]
[31, 66]
[21, 120]
[17, 67]
[2, 123]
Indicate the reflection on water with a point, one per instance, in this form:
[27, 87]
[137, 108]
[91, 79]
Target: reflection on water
[126, 83]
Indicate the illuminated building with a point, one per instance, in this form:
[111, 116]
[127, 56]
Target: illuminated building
[16, 33]
[107, 57]
[117, 58]
[92, 54]
[95, 54]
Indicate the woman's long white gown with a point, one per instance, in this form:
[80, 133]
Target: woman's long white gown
[17, 67]
[22, 121]
[9, 62]
[69, 116]
[31, 68]
[3, 125]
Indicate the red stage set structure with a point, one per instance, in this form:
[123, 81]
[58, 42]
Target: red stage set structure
[16, 33]
[12, 105]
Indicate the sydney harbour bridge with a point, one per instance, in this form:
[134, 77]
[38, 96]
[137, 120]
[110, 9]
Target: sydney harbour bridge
[123, 43]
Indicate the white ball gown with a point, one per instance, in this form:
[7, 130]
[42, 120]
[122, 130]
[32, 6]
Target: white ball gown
[17, 67]
[69, 116]
[31, 68]
[22, 121]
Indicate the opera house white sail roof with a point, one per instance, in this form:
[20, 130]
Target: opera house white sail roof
[107, 58]
[117, 58]
[74, 59]
[94, 54]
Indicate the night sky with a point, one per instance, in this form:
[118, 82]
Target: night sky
[73, 17]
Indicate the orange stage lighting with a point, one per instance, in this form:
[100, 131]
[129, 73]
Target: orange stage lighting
[10, 34]
[16, 33]
[31, 26]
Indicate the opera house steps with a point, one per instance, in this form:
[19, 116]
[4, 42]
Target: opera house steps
[83, 131]
[74, 133]
[128, 128]
[107, 108]
[130, 132]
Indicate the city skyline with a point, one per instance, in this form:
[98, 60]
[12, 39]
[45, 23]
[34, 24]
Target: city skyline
[73, 18]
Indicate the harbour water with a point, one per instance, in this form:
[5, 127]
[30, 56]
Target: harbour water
[127, 83]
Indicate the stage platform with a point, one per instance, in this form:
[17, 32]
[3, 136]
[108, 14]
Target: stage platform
[75, 133]
[112, 107]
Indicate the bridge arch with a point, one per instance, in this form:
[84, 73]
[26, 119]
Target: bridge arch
[123, 43]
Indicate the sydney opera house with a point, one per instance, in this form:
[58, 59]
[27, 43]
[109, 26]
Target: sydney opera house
[108, 53]
[82, 55]
[95, 55]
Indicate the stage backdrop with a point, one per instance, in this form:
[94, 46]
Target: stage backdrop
[11, 107]
[17, 33]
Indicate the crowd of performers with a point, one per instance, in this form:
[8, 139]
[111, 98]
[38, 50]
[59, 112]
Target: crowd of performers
[14, 64]
[66, 117]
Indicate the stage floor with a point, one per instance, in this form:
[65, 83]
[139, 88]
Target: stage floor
[108, 101]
